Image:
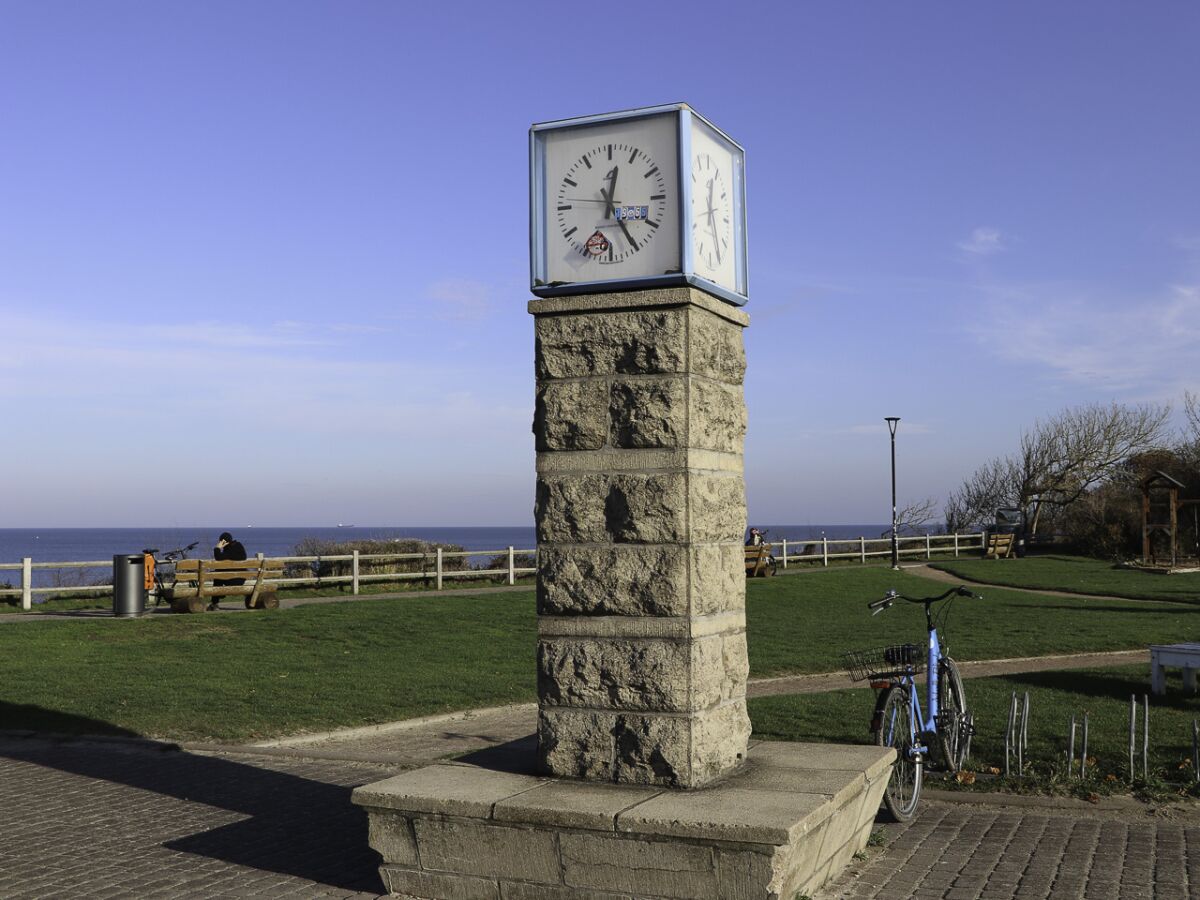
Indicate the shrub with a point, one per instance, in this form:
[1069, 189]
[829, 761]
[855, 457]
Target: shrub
[322, 568]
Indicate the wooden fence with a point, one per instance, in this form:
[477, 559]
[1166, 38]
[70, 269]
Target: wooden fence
[434, 569]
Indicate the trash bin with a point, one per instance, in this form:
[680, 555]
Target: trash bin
[129, 585]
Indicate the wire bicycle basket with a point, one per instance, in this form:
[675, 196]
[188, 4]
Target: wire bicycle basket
[884, 662]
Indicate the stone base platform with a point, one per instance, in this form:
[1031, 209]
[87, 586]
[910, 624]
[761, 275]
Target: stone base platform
[490, 829]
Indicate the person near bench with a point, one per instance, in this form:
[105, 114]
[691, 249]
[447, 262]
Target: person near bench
[227, 548]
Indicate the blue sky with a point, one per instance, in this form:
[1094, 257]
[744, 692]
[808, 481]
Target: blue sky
[267, 262]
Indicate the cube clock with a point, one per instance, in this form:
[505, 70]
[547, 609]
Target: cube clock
[637, 199]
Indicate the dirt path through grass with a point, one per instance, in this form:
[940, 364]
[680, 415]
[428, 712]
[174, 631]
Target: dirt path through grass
[933, 574]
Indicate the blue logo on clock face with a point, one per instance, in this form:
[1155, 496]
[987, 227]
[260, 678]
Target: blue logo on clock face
[632, 213]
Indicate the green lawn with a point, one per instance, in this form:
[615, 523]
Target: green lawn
[236, 677]
[1077, 574]
[250, 675]
[803, 623]
[843, 717]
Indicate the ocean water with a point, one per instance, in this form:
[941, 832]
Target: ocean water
[81, 544]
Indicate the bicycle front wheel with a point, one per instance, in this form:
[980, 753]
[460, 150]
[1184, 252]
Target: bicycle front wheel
[953, 722]
[894, 728]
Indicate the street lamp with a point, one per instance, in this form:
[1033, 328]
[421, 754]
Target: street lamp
[892, 422]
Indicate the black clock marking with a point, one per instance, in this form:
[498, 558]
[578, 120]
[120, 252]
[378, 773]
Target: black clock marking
[570, 182]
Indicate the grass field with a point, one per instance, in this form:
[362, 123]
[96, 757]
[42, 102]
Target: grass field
[240, 676]
[843, 717]
[1077, 574]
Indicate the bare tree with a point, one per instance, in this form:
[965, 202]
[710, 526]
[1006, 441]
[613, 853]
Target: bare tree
[996, 483]
[1191, 409]
[1064, 456]
[916, 515]
[1058, 460]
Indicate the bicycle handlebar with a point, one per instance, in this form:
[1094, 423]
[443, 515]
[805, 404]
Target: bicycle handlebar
[878, 606]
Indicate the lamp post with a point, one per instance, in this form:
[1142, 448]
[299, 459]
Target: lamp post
[892, 422]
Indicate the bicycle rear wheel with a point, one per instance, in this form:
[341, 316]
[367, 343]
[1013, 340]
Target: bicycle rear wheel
[953, 722]
[893, 727]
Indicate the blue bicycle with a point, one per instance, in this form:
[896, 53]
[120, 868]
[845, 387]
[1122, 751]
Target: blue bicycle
[945, 725]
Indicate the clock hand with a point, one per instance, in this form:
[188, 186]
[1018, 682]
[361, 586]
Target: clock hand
[621, 222]
[612, 191]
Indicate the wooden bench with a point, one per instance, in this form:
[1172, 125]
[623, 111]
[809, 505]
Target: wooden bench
[758, 561]
[999, 546]
[1182, 656]
[195, 585]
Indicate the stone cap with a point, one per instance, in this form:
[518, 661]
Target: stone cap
[625, 301]
[784, 791]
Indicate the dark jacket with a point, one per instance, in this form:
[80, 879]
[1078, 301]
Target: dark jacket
[233, 551]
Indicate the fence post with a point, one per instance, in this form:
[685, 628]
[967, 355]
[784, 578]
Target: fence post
[824, 550]
[785, 553]
[862, 549]
[354, 573]
[512, 568]
[928, 552]
[26, 583]
[956, 545]
[439, 568]
[983, 542]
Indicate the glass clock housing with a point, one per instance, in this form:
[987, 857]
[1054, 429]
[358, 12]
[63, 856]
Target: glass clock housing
[637, 199]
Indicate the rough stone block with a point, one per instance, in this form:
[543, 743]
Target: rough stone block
[411, 883]
[716, 418]
[614, 674]
[570, 508]
[473, 848]
[648, 413]
[630, 343]
[648, 868]
[719, 669]
[617, 581]
[576, 744]
[718, 507]
[717, 578]
[646, 509]
[626, 508]
[653, 750]
[571, 416]
[719, 739]
[392, 838]
[717, 349]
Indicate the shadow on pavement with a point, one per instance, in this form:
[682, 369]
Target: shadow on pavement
[295, 825]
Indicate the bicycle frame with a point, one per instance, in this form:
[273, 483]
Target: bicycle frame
[923, 724]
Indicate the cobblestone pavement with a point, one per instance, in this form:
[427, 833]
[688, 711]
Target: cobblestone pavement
[89, 819]
[960, 851]
[83, 819]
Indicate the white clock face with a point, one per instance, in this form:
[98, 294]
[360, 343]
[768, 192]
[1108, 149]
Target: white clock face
[713, 187]
[611, 198]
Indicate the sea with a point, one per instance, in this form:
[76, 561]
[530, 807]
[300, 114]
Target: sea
[84, 544]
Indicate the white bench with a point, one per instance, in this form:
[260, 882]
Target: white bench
[1180, 656]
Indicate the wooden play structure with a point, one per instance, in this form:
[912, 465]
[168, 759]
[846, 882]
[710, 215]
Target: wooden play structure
[1160, 519]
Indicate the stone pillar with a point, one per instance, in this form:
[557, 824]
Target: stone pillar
[641, 510]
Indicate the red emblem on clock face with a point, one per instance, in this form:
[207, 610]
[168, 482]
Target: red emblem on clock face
[597, 244]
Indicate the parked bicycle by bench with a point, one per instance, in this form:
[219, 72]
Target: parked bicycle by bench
[940, 732]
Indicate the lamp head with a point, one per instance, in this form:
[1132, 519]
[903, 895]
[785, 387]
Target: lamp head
[892, 422]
